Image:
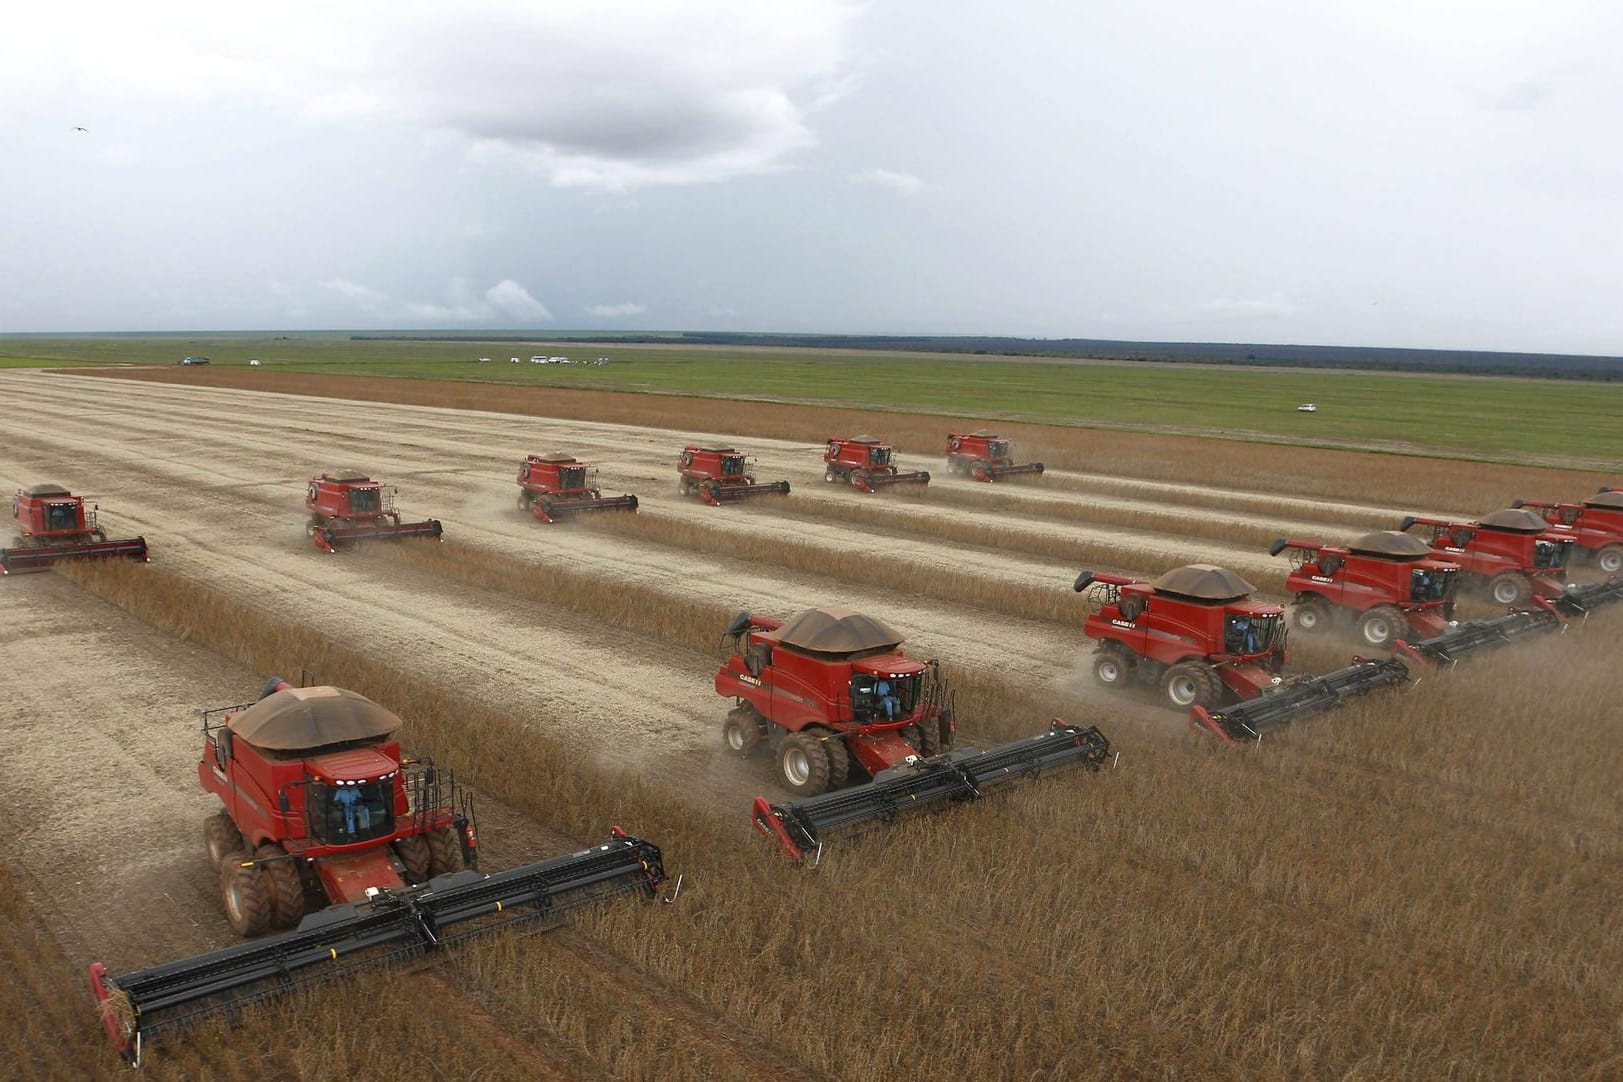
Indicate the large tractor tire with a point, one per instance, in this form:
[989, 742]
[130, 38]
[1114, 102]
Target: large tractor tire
[1192, 683]
[839, 762]
[246, 894]
[830, 475]
[524, 501]
[444, 852]
[1383, 625]
[803, 764]
[1311, 614]
[413, 853]
[222, 837]
[1511, 588]
[1111, 669]
[741, 732]
[1610, 559]
[286, 889]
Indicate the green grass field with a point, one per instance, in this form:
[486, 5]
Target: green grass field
[1554, 422]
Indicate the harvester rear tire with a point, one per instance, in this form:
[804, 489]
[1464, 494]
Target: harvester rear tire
[524, 499]
[1511, 588]
[741, 732]
[285, 887]
[1311, 615]
[839, 762]
[246, 895]
[1383, 625]
[413, 853]
[1610, 559]
[802, 764]
[1192, 683]
[222, 837]
[444, 851]
[1110, 668]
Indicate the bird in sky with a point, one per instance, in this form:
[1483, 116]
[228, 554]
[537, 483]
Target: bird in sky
[85, 130]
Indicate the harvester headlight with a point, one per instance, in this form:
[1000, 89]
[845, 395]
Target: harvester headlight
[1276, 681]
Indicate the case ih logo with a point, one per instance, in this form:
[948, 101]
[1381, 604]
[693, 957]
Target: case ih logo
[1122, 623]
[1321, 578]
[752, 681]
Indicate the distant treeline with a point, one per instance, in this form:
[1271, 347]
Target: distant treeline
[1546, 365]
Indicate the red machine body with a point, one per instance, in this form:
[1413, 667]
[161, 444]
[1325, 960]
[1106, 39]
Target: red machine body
[1512, 554]
[555, 486]
[1194, 631]
[720, 475]
[829, 689]
[1596, 525]
[985, 456]
[53, 524]
[336, 819]
[1384, 581]
[865, 462]
[347, 506]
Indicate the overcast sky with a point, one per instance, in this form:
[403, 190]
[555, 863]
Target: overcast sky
[1441, 173]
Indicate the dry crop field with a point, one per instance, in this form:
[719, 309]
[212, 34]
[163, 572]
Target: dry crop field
[1420, 885]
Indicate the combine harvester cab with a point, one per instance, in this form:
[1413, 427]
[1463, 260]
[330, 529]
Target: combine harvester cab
[1596, 525]
[53, 524]
[835, 699]
[1383, 581]
[721, 475]
[865, 463]
[318, 801]
[557, 486]
[347, 506]
[1512, 554]
[985, 456]
[1194, 631]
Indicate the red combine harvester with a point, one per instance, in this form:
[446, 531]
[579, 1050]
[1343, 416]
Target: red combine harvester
[1512, 553]
[347, 506]
[720, 475]
[53, 524]
[319, 804]
[865, 463]
[985, 457]
[833, 696]
[557, 485]
[1384, 581]
[1596, 525]
[1194, 631]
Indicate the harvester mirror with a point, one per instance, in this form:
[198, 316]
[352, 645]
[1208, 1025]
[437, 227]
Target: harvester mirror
[740, 624]
[1329, 563]
[1132, 606]
[283, 803]
[756, 658]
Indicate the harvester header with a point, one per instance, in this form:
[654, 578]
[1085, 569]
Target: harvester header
[53, 524]
[555, 486]
[346, 506]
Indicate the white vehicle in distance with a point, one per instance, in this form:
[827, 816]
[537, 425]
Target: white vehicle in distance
[484, 360]
[517, 361]
[538, 360]
[557, 360]
[1307, 407]
[254, 362]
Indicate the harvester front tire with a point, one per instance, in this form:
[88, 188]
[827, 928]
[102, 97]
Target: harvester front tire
[222, 837]
[839, 762]
[524, 499]
[1511, 588]
[413, 853]
[1110, 669]
[444, 851]
[741, 732]
[1311, 615]
[802, 764]
[1610, 559]
[1383, 625]
[286, 889]
[1191, 683]
[830, 476]
[246, 895]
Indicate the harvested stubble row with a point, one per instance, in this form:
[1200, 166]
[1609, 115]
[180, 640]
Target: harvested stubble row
[1193, 913]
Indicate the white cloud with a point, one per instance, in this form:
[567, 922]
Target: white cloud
[898, 182]
[613, 96]
[624, 308]
[506, 301]
[1273, 304]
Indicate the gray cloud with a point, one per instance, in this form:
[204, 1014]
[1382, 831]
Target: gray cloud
[898, 182]
[507, 302]
[610, 311]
